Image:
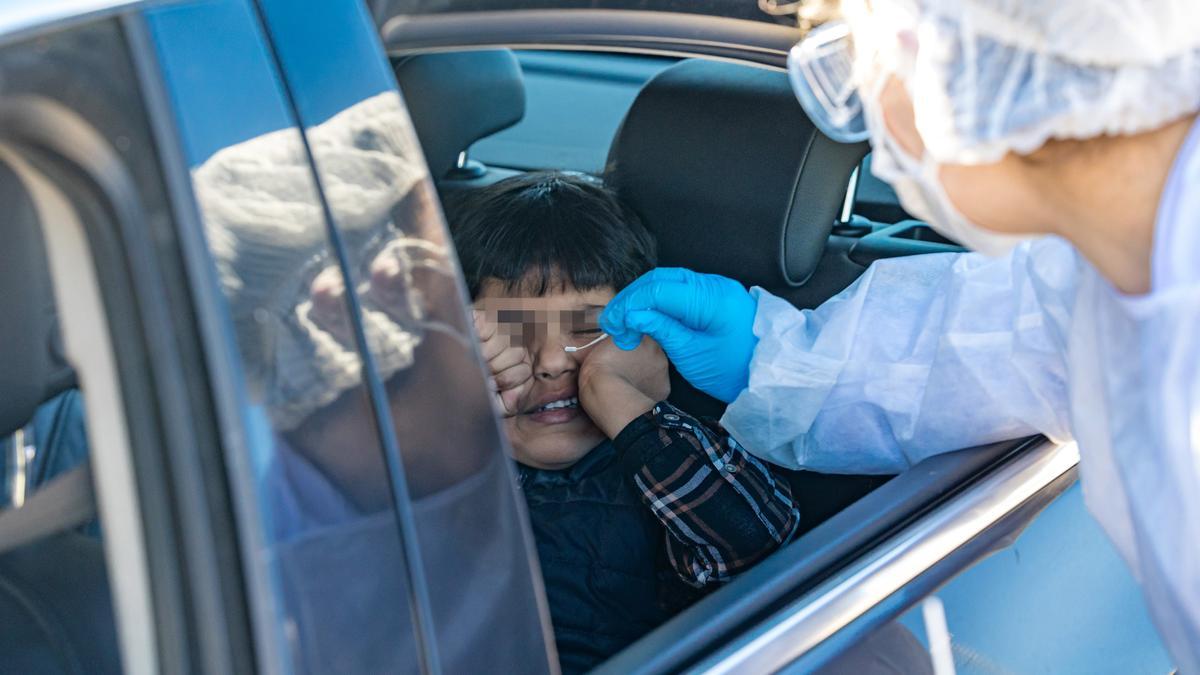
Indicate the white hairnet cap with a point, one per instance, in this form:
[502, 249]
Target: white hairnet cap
[993, 76]
[268, 235]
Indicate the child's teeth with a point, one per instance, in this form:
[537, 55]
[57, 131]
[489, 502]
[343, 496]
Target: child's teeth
[563, 403]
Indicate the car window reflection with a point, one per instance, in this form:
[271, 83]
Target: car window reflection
[474, 544]
[323, 488]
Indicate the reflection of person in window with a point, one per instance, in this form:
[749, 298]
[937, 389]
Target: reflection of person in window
[266, 228]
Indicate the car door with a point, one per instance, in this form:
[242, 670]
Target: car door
[290, 476]
[1057, 599]
[1008, 575]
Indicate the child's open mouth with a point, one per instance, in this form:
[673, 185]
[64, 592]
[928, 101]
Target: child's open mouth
[556, 412]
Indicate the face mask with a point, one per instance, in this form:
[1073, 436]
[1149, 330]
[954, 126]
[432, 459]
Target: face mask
[920, 190]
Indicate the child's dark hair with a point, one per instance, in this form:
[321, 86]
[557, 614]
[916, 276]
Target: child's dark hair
[538, 232]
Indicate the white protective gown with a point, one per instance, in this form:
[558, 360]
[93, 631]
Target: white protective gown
[935, 353]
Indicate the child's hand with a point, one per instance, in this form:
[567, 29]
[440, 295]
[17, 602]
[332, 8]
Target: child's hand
[510, 366]
[644, 368]
[616, 386]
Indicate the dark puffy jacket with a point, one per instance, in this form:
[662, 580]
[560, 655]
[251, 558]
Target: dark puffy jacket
[603, 557]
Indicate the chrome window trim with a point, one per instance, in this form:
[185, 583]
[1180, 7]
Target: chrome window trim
[624, 31]
[835, 604]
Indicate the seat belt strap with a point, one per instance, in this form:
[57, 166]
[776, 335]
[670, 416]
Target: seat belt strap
[65, 502]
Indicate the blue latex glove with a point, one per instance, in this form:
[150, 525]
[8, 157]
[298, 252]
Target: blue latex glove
[704, 322]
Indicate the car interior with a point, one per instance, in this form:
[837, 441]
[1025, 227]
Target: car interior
[758, 214]
[721, 164]
[55, 602]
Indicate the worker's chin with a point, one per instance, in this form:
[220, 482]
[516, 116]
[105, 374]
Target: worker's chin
[553, 439]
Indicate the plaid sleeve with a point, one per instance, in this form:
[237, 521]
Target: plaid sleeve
[724, 509]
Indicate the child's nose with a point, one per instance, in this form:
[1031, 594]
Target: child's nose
[551, 360]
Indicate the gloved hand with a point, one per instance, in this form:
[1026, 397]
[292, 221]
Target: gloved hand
[704, 322]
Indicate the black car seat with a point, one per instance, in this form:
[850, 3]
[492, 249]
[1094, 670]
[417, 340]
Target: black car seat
[723, 166]
[455, 99]
[55, 605]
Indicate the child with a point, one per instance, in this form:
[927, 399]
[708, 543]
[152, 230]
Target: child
[636, 506]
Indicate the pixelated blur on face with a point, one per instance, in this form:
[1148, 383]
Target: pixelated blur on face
[520, 325]
[551, 430]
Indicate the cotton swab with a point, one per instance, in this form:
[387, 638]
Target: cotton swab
[572, 349]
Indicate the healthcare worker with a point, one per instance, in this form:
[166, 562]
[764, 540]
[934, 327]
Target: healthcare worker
[995, 121]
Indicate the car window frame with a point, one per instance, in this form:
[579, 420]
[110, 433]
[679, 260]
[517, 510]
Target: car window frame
[623, 31]
[771, 12]
[976, 519]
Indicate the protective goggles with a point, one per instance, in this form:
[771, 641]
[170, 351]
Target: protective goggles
[821, 70]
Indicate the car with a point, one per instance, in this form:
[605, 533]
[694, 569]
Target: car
[248, 429]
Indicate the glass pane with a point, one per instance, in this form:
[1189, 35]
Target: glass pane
[323, 544]
[472, 534]
[1059, 600]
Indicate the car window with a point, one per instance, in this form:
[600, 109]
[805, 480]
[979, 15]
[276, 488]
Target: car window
[574, 102]
[325, 555]
[474, 558]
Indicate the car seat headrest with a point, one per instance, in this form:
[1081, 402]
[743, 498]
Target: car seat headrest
[457, 98]
[27, 332]
[724, 167]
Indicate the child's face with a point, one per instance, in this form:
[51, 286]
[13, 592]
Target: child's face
[557, 437]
